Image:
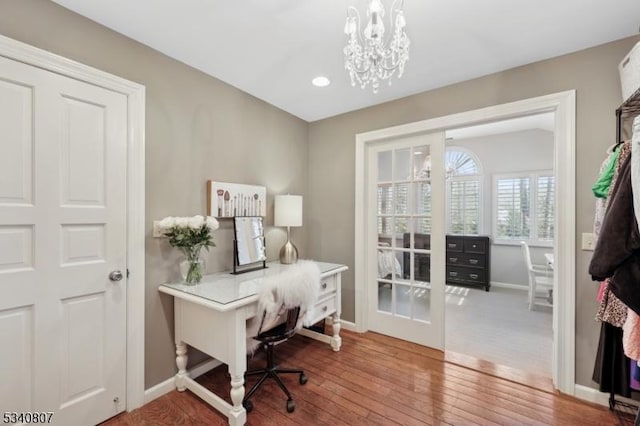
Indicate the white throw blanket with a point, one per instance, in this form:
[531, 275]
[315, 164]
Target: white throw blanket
[298, 285]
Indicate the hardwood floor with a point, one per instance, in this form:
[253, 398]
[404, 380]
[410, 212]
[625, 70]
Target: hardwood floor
[377, 380]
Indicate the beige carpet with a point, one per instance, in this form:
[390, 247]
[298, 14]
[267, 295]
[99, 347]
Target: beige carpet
[497, 326]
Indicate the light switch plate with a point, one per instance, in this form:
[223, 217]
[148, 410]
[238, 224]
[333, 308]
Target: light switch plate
[588, 241]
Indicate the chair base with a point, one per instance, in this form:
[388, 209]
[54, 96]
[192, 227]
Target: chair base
[272, 371]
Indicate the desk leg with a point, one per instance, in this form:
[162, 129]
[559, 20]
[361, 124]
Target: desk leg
[237, 395]
[336, 340]
[181, 362]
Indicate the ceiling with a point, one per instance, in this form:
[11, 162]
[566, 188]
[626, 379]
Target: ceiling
[273, 48]
[529, 122]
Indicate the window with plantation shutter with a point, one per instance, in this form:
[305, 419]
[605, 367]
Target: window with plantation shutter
[463, 192]
[464, 206]
[524, 207]
[545, 201]
[512, 211]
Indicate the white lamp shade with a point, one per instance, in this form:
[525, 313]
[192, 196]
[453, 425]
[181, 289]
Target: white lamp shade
[288, 210]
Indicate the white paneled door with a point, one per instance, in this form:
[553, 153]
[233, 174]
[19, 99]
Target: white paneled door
[406, 238]
[62, 241]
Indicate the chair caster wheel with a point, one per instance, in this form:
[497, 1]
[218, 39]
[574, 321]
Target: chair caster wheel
[291, 406]
[248, 405]
[303, 379]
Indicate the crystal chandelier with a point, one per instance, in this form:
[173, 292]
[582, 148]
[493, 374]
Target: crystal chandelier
[370, 59]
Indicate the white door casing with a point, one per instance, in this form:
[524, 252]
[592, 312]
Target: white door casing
[563, 105]
[71, 155]
[405, 199]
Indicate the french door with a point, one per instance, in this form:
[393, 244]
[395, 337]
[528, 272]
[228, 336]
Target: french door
[406, 238]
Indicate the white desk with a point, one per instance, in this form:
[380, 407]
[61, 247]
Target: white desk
[212, 315]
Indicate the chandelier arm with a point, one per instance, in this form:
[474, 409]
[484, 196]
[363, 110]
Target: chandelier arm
[393, 12]
[393, 66]
[357, 16]
[358, 71]
[392, 23]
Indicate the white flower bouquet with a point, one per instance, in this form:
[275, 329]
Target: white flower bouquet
[190, 235]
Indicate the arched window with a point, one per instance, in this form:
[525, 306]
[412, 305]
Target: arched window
[459, 162]
[464, 191]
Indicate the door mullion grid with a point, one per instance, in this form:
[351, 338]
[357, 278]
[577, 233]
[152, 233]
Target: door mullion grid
[394, 197]
[412, 244]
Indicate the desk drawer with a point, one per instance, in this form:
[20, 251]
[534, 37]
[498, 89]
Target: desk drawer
[322, 309]
[327, 285]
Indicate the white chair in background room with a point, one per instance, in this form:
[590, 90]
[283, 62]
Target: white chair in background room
[540, 280]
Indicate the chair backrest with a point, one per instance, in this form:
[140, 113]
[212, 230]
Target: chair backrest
[292, 320]
[527, 255]
[287, 296]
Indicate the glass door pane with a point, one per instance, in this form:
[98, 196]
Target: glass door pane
[403, 224]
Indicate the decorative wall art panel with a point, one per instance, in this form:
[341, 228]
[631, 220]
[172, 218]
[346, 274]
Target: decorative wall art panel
[235, 199]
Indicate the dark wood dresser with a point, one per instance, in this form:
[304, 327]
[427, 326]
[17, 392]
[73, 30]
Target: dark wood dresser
[468, 260]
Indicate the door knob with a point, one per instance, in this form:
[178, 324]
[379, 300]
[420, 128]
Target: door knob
[115, 275]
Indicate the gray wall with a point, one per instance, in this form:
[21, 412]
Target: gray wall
[593, 73]
[197, 128]
[527, 150]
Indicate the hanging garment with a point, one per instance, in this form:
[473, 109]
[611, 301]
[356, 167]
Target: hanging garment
[601, 187]
[611, 309]
[601, 288]
[611, 369]
[601, 203]
[631, 335]
[634, 380]
[617, 252]
[635, 167]
[620, 152]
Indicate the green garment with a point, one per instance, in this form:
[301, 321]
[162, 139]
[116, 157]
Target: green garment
[601, 187]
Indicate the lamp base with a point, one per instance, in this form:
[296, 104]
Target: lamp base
[288, 253]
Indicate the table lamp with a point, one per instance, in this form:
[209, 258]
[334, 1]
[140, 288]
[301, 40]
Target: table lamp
[288, 212]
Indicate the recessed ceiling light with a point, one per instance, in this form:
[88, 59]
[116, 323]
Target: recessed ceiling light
[321, 81]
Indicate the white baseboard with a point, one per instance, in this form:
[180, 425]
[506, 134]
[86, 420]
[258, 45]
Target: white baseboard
[509, 285]
[594, 395]
[160, 389]
[348, 325]
[345, 325]
[203, 367]
[168, 385]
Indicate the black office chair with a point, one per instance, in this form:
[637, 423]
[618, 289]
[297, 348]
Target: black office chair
[269, 339]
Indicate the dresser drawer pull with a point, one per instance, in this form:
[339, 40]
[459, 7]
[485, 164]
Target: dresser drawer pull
[474, 245]
[473, 276]
[452, 245]
[324, 286]
[324, 309]
[453, 259]
[473, 261]
[453, 274]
